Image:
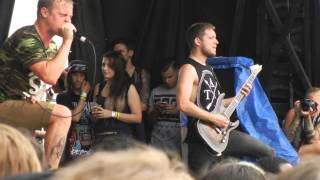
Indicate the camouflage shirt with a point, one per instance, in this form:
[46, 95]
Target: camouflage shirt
[18, 53]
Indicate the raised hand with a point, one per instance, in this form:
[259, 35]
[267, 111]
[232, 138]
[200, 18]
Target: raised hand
[67, 31]
[85, 87]
[297, 108]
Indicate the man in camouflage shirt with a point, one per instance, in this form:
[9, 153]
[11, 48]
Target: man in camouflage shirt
[29, 60]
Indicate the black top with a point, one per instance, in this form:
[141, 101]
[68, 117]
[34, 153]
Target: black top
[208, 91]
[80, 134]
[112, 124]
[70, 99]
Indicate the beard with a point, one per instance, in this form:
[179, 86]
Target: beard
[207, 52]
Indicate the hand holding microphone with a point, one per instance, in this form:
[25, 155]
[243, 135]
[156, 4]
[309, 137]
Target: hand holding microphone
[67, 31]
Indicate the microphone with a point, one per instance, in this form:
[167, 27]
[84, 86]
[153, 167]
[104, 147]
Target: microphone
[79, 36]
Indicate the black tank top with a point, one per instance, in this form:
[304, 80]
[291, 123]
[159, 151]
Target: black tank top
[112, 124]
[207, 93]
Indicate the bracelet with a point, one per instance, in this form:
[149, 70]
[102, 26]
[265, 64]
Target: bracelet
[117, 115]
[84, 98]
[113, 114]
[84, 94]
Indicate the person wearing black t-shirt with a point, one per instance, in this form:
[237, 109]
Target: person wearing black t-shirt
[198, 98]
[76, 98]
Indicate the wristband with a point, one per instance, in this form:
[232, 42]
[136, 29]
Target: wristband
[84, 98]
[117, 115]
[84, 94]
[113, 114]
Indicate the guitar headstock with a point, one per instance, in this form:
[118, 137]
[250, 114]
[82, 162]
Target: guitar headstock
[255, 69]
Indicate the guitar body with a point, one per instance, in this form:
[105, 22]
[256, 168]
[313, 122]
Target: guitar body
[216, 138]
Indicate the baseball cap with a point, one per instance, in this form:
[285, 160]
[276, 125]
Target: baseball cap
[77, 65]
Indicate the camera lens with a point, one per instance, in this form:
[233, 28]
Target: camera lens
[306, 104]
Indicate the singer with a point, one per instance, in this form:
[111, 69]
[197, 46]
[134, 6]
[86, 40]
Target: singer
[29, 60]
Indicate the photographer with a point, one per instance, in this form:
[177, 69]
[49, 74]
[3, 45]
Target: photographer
[302, 123]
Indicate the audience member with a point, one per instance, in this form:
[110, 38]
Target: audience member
[118, 100]
[166, 133]
[235, 171]
[38, 147]
[116, 143]
[141, 79]
[302, 123]
[77, 98]
[308, 169]
[274, 165]
[17, 154]
[133, 164]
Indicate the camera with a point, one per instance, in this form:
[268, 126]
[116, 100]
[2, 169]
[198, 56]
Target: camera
[306, 104]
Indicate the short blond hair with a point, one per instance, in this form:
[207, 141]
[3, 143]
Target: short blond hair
[17, 155]
[313, 91]
[134, 164]
[307, 169]
[49, 3]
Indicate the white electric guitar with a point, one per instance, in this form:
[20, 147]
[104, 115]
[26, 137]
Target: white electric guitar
[217, 138]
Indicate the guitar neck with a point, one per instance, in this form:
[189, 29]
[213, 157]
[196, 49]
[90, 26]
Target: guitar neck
[239, 97]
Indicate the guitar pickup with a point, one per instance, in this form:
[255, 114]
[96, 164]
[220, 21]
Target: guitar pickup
[218, 130]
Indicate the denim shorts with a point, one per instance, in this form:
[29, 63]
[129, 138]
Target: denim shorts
[167, 136]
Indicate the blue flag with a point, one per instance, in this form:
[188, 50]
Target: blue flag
[255, 112]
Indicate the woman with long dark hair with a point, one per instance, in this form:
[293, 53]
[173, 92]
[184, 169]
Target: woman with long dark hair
[118, 100]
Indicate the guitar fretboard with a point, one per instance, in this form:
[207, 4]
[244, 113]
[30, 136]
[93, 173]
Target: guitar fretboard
[239, 96]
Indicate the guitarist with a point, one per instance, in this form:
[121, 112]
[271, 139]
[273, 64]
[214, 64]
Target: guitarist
[192, 96]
